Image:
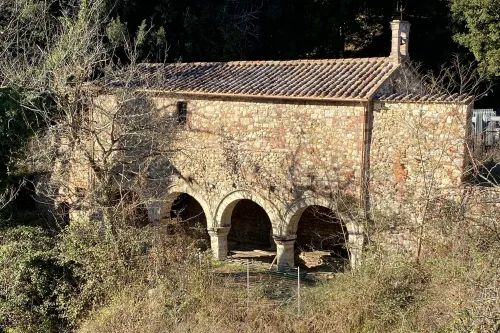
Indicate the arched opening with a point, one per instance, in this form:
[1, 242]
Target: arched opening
[251, 230]
[321, 239]
[191, 217]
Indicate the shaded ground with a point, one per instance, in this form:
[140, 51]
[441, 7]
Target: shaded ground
[309, 262]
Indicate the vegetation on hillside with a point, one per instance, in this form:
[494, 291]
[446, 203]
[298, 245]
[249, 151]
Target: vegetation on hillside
[152, 280]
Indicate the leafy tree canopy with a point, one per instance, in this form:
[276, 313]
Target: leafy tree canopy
[480, 23]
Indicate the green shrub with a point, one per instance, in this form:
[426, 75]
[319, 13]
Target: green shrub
[34, 284]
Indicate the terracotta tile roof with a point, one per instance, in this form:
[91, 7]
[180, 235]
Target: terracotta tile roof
[331, 79]
[418, 98]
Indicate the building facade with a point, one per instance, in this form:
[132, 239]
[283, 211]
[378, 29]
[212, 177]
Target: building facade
[302, 153]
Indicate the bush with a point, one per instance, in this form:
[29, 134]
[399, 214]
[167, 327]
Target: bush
[98, 277]
[50, 282]
[34, 284]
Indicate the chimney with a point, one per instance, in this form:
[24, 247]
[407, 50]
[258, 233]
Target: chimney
[400, 41]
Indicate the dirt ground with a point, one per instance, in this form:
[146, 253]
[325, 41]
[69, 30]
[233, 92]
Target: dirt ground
[313, 262]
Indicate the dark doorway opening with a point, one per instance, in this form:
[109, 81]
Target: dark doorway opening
[321, 240]
[251, 233]
[250, 227]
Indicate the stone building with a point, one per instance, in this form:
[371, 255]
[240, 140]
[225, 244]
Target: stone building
[299, 154]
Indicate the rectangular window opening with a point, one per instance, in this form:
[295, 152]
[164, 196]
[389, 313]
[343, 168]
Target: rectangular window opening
[181, 112]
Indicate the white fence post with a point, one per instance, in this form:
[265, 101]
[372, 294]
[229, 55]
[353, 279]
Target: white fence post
[248, 283]
[298, 291]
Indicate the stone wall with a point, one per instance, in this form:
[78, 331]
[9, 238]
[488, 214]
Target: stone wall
[286, 156]
[417, 153]
[282, 155]
[474, 216]
[279, 150]
[417, 161]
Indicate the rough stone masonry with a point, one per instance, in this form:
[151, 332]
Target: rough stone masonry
[343, 134]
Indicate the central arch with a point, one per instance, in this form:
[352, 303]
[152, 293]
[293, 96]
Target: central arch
[226, 207]
[251, 228]
[252, 219]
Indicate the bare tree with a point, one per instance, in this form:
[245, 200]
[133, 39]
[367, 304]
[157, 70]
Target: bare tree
[96, 116]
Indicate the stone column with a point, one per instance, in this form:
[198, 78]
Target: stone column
[355, 247]
[284, 251]
[154, 211]
[218, 242]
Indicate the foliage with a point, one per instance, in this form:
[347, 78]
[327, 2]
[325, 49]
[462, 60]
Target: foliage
[34, 285]
[480, 20]
[50, 282]
[448, 293]
[116, 31]
[17, 124]
[99, 259]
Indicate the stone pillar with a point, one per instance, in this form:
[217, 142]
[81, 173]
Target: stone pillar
[218, 242]
[355, 246]
[154, 211]
[284, 251]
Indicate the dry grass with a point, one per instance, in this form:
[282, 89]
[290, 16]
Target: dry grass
[453, 291]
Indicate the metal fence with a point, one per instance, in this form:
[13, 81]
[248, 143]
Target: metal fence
[256, 282]
[486, 128]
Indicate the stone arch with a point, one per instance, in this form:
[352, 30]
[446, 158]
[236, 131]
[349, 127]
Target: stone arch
[176, 190]
[225, 209]
[295, 211]
[354, 229]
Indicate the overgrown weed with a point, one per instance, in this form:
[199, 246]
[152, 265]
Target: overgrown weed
[153, 279]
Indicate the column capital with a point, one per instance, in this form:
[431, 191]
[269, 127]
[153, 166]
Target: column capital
[285, 250]
[282, 240]
[218, 242]
[220, 231]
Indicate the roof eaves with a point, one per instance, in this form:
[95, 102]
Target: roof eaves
[438, 99]
[250, 96]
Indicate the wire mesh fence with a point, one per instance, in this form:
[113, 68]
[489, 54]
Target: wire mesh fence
[257, 285]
